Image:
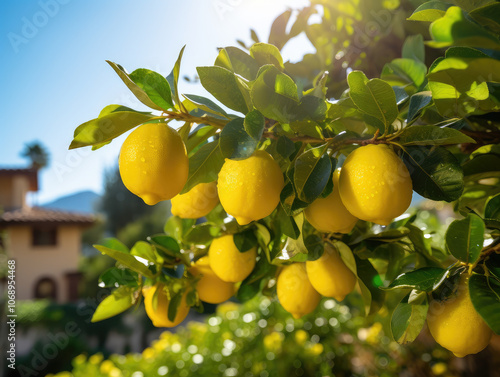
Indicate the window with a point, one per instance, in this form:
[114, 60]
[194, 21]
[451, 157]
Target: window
[44, 236]
[46, 288]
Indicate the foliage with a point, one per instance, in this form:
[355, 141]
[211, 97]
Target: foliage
[37, 154]
[438, 109]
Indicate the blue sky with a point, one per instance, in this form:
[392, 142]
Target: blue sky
[54, 76]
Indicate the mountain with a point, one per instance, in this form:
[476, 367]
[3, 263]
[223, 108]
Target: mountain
[83, 202]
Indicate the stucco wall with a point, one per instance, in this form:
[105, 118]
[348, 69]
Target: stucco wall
[13, 190]
[36, 262]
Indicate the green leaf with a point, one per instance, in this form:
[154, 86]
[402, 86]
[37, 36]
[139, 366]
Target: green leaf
[245, 240]
[106, 128]
[238, 61]
[115, 276]
[493, 265]
[285, 147]
[173, 77]
[430, 11]
[455, 29]
[373, 97]
[265, 54]
[418, 102]
[254, 124]
[460, 86]
[144, 250]
[432, 135]
[204, 165]
[464, 52]
[315, 246]
[287, 223]
[206, 105]
[488, 16]
[126, 259]
[201, 234]
[464, 238]
[408, 320]
[274, 94]
[223, 85]
[166, 244]
[424, 279]
[485, 296]
[312, 172]
[235, 142]
[435, 173]
[414, 48]
[173, 305]
[404, 71]
[492, 208]
[117, 302]
[369, 282]
[198, 136]
[155, 86]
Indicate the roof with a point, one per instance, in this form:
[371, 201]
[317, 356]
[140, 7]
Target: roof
[37, 215]
[31, 173]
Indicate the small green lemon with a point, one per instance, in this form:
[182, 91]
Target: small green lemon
[197, 202]
[210, 287]
[329, 214]
[227, 262]
[375, 184]
[295, 292]
[250, 189]
[153, 163]
[456, 325]
[329, 275]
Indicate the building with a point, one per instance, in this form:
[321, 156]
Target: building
[45, 244]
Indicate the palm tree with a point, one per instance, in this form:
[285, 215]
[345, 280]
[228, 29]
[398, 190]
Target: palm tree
[37, 154]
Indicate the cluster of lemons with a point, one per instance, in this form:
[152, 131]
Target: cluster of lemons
[372, 185]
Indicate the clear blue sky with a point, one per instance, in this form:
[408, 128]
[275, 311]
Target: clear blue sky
[54, 76]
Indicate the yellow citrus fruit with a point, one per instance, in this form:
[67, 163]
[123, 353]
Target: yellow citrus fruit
[295, 292]
[159, 316]
[329, 275]
[455, 324]
[250, 189]
[197, 202]
[375, 184]
[227, 262]
[210, 287]
[153, 163]
[329, 214]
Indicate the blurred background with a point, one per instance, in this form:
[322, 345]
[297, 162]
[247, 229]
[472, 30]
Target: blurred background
[56, 203]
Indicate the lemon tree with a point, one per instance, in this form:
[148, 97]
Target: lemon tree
[303, 173]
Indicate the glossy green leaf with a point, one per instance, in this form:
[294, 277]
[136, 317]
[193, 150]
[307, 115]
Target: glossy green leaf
[464, 238]
[115, 276]
[238, 61]
[492, 208]
[204, 165]
[265, 54]
[235, 142]
[414, 48]
[201, 234]
[436, 173]
[404, 71]
[424, 279]
[493, 265]
[430, 11]
[369, 282]
[315, 246]
[117, 302]
[106, 128]
[373, 97]
[245, 240]
[126, 259]
[418, 102]
[432, 135]
[173, 77]
[223, 85]
[287, 223]
[166, 243]
[285, 147]
[173, 305]
[144, 250]
[312, 172]
[488, 16]
[206, 104]
[254, 124]
[408, 320]
[485, 296]
[199, 136]
[155, 86]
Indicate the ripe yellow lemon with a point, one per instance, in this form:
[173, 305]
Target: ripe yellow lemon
[227, 262]
[375, 184]
[210, 287]
[329, 275]
[197, 202]
[159, 316]
[329, 214]
[153, 163]
[250, 189]
[456, 325]
[295, 292]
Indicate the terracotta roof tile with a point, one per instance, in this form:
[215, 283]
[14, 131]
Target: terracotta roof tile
[43, 215]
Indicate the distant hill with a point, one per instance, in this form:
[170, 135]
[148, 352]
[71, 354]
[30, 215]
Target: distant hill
[83, 202]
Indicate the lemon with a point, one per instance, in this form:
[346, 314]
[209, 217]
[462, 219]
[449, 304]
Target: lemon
[295, 292]
[456, 325]
[330, 276]
[153, 163]
[197, 202]
[329, 214]
[210, 287]
[250, 189]
[375, 184]
[227, 262]
[159, 316]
